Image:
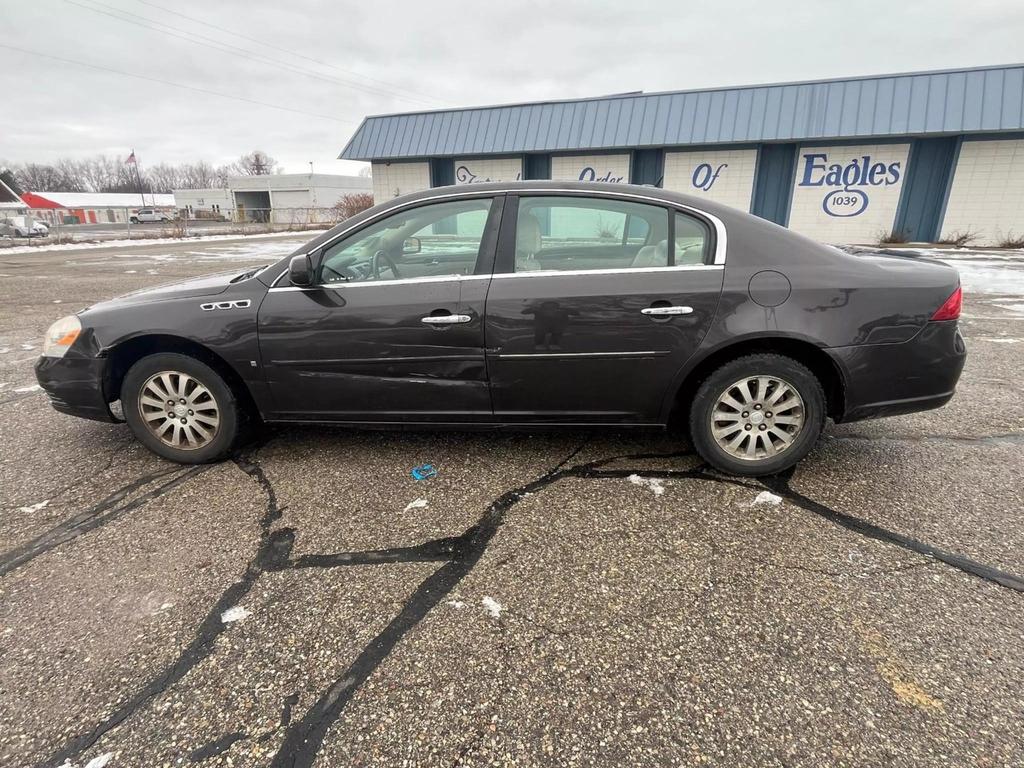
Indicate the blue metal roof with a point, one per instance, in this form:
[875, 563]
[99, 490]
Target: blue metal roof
[950, 101]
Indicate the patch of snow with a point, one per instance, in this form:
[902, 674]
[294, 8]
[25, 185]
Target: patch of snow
[4, 350]
[31, 388]
[456, 604]
[1000, 340]
[306, 235]
[33, 508]
[417, 504]
[492, 606]
[56, 301]
[100, 761]
[766, 497]
[131, 271]
[235, 614]
[656, 486]
[27, 346]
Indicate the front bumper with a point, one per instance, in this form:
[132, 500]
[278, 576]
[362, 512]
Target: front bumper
[890, 379]
[75, 385]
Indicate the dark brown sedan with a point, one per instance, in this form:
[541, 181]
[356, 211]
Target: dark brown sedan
[527, 304]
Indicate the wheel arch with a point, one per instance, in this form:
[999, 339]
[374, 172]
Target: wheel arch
[126, 353]
[820, 363]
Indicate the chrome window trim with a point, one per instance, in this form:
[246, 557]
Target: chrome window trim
[617, 271]
[504, 276]
[368, 283]
[721, 235]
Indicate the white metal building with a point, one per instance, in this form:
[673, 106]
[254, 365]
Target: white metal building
[920, 156]
[282, 198]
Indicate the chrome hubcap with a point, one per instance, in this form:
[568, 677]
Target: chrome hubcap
[757, 418]
[179, 410]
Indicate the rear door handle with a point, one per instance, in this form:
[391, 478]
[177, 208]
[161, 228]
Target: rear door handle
[660, 311]
[446, 319]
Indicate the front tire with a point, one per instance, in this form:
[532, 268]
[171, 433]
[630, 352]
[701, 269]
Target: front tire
[757, 415]
[180, 408]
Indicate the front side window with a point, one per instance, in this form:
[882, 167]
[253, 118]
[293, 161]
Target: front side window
[434, 240]
[578, 233]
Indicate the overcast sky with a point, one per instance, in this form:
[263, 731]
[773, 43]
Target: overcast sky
[332, 63]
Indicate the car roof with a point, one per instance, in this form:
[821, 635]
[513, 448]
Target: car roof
[588, 187]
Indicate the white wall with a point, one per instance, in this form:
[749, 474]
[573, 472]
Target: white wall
[609, 168]
[480, 171]
[836, 199]
[394, 179]
[987, 195]
[204, 199]
[725, 176]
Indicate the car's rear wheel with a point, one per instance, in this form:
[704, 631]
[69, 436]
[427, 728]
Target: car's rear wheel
[757, 415]
[180, 408]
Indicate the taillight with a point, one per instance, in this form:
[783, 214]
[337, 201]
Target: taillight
[950, 309]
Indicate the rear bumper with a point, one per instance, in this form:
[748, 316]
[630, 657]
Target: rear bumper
[75, 385]
[890, 379]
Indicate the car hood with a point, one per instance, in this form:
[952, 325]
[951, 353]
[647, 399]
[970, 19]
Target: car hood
[207, 285]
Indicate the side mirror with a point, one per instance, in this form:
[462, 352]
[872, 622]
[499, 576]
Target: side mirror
[300, 270]
[411, 245]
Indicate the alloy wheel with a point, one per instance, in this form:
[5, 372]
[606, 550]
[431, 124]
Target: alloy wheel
[757, 417]
[179, 410]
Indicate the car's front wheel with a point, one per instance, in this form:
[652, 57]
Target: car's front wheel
[757, 415]
[180, 408]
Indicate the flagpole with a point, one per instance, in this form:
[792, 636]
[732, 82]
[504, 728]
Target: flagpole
[138, 177]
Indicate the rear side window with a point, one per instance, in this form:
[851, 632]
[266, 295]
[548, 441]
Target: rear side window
[692, 240]
[577, 233]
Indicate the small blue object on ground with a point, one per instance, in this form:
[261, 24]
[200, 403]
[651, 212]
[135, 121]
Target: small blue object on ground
[423, 471]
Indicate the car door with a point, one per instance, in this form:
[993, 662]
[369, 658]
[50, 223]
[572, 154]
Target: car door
[596, 304]
[393, 330]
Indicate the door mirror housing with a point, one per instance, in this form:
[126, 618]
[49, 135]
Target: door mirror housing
[300, 270]
[411, 245]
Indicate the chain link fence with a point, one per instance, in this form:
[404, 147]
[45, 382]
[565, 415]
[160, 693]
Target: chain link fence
[54, 226]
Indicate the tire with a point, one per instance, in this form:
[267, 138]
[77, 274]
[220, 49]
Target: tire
[780, 439]
[173, 376]
[133, 220]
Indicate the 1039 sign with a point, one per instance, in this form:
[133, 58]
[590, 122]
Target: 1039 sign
[849, 183]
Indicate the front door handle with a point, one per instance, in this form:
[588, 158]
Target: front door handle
[661, 311]
[446, 319]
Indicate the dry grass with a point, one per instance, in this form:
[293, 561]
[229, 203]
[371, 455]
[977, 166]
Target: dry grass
[958, 238]
[1012, 241]
[893, 237]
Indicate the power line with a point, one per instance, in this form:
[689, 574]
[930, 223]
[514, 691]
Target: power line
[290, 52]
[175, 85]
[233, 50]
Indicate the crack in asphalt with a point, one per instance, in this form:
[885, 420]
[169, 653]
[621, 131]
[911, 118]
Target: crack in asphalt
[780, 484]
[304, 737]
[272, 547]
[96, 516]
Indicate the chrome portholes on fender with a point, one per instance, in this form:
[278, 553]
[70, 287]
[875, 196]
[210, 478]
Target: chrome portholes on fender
[236, 304]
[179, 410]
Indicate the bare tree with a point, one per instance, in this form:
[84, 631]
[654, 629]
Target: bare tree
[164, 177]
[366, 172]
[352, 204]
[199, 175]
[256, 163]
[35, 177]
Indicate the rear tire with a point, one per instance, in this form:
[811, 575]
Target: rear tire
[180, 408]
[757, 415]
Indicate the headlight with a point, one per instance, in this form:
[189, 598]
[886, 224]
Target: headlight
[61, 336]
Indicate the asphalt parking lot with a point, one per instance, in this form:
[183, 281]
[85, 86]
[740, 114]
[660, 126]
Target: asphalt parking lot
[554, 599]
